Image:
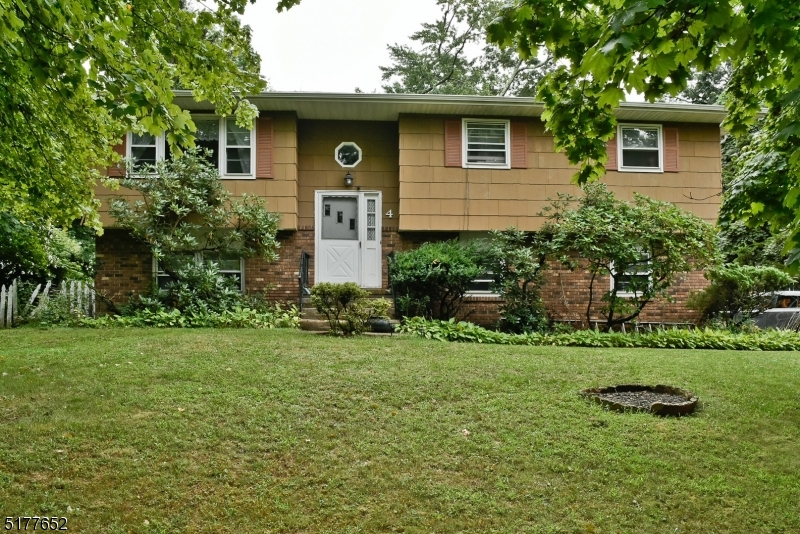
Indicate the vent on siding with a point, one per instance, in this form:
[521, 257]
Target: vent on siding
[452, 143]
[519, 145]
[264, 148]
[671, 150]
[611, 149]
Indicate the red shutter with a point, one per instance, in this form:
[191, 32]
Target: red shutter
[671, 150]
[118, 169]
[452, 143]
[264, 148]
[519, 145]
[611, 149]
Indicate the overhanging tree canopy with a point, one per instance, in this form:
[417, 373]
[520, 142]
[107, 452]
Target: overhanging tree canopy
[609, 47]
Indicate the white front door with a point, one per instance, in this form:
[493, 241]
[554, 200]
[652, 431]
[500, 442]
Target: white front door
[348, 237]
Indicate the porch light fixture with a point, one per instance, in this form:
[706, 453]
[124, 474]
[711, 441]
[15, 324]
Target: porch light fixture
[348, 179]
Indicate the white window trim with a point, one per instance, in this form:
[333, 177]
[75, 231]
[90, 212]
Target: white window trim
[160, 151]
[465, 144]
[222, 159]
[621, 167]
[630, 294]
[198, 257]
[478, 293]
[336, 154]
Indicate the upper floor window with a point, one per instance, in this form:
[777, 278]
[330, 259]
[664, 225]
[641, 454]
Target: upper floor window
[348, 154]
[230, 148]
[641, 148]
[144, 150]
[486, 143]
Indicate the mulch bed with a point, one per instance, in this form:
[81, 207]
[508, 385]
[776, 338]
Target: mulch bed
[661, 400]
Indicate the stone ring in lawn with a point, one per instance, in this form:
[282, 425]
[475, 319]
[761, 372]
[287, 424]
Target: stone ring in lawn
[660, 400]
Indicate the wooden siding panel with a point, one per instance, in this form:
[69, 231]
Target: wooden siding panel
[452, 143]
[265, 141]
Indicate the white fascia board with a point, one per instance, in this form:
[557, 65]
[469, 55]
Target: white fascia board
[389, 107]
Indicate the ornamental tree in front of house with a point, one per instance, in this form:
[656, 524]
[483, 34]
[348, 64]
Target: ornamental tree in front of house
[642, 245]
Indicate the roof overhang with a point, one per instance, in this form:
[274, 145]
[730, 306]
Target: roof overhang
[389, 107]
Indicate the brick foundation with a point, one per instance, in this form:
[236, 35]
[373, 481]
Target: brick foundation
[125, 267]
[125, 270]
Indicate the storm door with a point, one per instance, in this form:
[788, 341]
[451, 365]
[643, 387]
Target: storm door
[348, 233]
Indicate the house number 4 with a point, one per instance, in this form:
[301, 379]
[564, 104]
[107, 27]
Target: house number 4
[389, 214]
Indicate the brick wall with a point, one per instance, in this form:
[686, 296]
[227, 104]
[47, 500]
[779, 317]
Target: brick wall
[126, 269]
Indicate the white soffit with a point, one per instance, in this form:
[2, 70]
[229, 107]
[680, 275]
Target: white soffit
[388, 107]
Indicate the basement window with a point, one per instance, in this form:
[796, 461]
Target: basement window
[230, 267]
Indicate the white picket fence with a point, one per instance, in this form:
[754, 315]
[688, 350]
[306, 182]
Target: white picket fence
[80, 296]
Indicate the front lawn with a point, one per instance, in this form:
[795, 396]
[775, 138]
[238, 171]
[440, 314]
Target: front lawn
[127, 430]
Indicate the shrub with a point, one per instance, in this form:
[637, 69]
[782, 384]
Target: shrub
[347, 307]
[663, 339]
[431, 280]
[516, 260]
[737, 293]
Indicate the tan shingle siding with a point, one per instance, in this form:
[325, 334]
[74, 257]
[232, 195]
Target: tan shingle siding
[493, 198]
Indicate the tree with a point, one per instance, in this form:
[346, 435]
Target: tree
[642, 245]
[446, 62]
[186, 212]
[75, 75]
[607, 47]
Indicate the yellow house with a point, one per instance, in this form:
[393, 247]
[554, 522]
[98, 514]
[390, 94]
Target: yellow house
[357, 176]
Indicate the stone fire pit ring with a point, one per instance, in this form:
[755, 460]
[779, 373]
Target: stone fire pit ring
[659, 400]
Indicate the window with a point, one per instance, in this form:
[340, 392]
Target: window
[348, 155]
[633, 280]
[230, 148]
[486, 143]
[640, 148]
[230, 267]
[238, 148]
[144, 150]
[482, 285]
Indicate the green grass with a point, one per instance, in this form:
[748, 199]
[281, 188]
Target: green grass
[280, 431]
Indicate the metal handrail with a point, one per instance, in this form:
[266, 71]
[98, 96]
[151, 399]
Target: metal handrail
[389, 262]
[303, 278]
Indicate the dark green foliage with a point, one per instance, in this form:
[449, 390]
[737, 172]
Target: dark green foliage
[660, 339]
[347, 307]
[738, 293]
[609, 237]
[241, 316]
[516, 260]
[431, 281]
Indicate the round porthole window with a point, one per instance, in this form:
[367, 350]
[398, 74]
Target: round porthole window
[348, 154]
